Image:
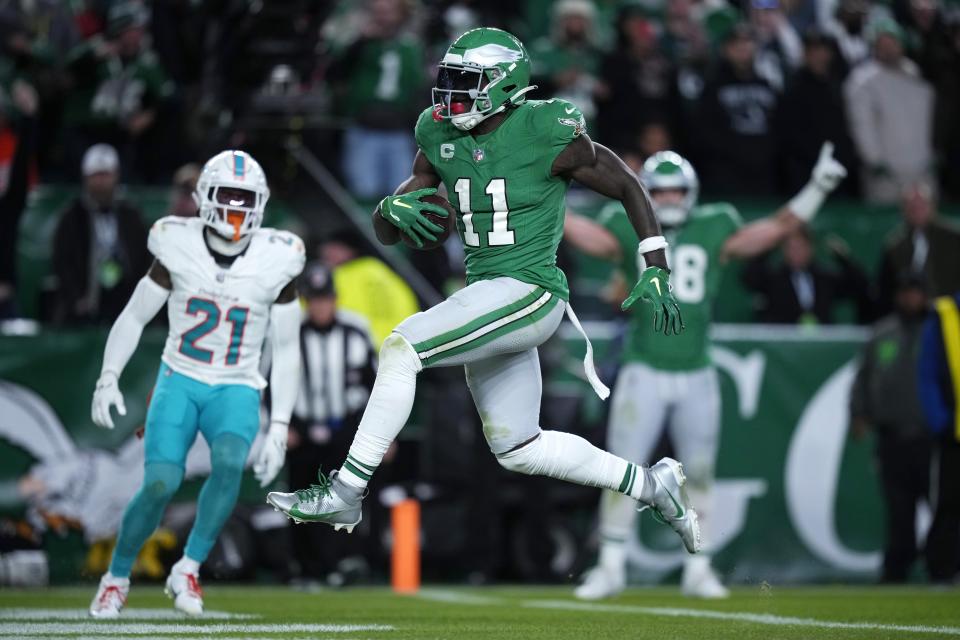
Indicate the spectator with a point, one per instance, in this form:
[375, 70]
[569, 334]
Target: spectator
[779, 50]
[811, 113]
[99, 247]
[566, 64]
[119, 92]
[939, 380]
[734, 123]
[339, 367]
[638, 84]
[846, 21]
[380, 85]
[367, 286]
[683, 40]
[184, 185]
[884, 398]
[19, 118]
[925, 244]
[890, 109]
[801, 290]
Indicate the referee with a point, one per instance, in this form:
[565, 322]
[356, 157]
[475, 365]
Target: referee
[338, 369]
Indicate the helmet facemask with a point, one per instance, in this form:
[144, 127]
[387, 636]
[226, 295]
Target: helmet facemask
[462, 94]
[232, 194]
[233, 212]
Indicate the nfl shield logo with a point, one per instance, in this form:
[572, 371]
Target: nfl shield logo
[477, 155]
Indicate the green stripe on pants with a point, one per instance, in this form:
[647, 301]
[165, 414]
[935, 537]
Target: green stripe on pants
[490, 336]
[478, 323]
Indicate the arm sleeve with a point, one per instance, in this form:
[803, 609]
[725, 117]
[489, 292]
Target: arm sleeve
[285, 372]
[147, 299]
[931, 362]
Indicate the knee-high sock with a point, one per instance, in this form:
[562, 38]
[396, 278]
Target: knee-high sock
[564, 456]
[142, 515]
[387, 410]
[228, 453]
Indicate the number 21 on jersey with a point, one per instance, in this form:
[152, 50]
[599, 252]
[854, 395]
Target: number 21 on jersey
[501, 234]
[190, 340]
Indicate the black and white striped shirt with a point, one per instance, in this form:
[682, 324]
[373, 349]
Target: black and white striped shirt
[339, 365]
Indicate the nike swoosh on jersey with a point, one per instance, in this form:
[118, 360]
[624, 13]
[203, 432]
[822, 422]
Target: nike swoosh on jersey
[569, 110]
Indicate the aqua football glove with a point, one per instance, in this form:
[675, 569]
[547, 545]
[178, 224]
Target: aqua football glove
[403, 212]
[654, 288]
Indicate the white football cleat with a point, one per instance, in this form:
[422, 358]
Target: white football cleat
[701, 581]
[319, 503]
[184, 588]
[671, 505]
[111, 597]
[601, 582]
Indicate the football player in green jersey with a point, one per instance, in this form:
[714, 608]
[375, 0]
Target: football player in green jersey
[673, 383]
[506, 163]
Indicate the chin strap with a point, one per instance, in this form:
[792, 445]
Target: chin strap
[224, 246]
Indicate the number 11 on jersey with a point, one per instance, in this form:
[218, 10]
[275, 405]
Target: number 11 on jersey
[501, 234]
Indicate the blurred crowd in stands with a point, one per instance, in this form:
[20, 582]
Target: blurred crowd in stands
[109, 92]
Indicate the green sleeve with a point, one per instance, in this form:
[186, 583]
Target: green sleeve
[561, 122]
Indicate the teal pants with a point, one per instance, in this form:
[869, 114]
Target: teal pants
[228, 416]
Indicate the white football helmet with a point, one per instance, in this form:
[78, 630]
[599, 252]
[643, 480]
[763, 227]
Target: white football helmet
[232, 184]
[669, 170]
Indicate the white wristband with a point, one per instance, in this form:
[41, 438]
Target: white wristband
[805, 204]
[651, 244]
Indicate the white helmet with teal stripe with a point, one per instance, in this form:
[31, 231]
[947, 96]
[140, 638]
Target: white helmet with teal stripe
[669, 171]
[483, 72]
[232, 193]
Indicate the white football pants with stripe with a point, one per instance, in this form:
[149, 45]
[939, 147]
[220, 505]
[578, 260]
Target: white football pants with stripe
[493, 329]
[645, 402]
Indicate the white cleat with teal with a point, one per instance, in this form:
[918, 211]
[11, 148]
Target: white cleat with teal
[111, 597]
[184, 589]
[671, 505]
[319, 503]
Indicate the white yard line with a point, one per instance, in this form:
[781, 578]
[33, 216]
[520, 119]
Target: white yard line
[457, 597]
[112, 628]
[737, 616]
[47, 615]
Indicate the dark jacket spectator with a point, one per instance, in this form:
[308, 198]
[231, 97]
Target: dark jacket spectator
[812, 112]
[13, 200]
[924, 244]
[99, 247]
[736, 150]
[638, 84]
[939, 377]
[802, 290]
[885, 398]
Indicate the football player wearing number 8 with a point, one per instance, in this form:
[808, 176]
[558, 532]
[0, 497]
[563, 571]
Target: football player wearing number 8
[226, 282]
[506, 163]
[673, 383]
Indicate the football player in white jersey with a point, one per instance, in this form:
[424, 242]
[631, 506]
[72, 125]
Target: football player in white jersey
[226, 282]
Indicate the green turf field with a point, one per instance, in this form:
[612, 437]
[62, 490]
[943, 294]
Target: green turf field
[494, 613]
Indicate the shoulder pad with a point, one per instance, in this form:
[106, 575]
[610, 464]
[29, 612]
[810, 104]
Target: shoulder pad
[165, 233]
[561, 118]
[720, 210]
[289, 250]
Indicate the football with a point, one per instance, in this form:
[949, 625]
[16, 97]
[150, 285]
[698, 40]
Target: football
[447, 223]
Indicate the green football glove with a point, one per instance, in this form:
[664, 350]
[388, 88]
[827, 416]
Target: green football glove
[403, 212]
[654, 288]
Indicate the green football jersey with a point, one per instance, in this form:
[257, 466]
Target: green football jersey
[509, 207]
[695, 272]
